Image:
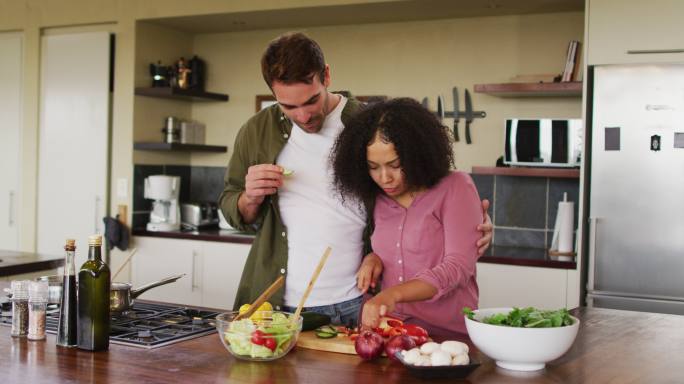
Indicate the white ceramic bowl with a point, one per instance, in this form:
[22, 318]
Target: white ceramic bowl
[520, 349]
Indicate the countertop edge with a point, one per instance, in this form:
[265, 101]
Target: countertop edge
[213, 235]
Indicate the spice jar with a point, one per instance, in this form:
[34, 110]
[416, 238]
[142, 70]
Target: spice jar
[19, 308]
[37, 303]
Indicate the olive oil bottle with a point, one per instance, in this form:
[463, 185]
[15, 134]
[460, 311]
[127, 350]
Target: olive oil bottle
[66, 328]
[93, 299]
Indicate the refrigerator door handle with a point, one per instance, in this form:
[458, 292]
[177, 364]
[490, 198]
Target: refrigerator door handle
[593, 227]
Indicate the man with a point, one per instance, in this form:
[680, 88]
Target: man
[296, 217]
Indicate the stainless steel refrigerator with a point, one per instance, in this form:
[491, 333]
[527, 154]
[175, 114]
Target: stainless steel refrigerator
[636, 188]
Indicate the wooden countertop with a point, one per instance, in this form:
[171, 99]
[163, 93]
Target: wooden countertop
[14, 262]
[612, 346]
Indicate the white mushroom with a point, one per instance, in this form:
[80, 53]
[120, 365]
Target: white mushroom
[440, 357]
[454, 347]
[411, 356]
[423, 360]
[428, 348]
[461, 359]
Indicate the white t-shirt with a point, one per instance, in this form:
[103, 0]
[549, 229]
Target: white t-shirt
[316, 218]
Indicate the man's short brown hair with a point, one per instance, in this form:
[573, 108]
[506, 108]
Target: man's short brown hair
[292, 58]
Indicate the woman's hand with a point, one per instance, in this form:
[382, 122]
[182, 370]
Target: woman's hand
[369, 272]
[486, 229]
[380, 305]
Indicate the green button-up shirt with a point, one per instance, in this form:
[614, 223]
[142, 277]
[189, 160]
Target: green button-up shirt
[260, 141]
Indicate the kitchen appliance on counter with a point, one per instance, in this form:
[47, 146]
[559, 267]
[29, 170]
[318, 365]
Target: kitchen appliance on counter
[199, 215]
[636, 247]
[165, 214]
[543, 142]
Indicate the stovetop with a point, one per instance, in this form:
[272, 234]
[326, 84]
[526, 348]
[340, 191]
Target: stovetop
[146, 325]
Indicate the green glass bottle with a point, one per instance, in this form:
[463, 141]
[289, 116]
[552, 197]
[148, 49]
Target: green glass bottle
[93, 299]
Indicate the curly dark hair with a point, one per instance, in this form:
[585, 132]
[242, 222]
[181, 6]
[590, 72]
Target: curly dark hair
[421, 141]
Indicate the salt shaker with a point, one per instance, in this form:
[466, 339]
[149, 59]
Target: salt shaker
[19, 308]
[37, 303]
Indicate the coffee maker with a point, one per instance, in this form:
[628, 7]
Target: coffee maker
[165, 214]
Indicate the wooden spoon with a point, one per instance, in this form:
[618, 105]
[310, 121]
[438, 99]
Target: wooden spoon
[317, 271]
[130, 255]
[262, 298]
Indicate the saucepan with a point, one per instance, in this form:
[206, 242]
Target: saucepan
[122, 295]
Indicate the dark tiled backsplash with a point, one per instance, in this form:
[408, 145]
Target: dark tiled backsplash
[197, 184]
[523, 209]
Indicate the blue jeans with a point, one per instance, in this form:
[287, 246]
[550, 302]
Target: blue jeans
[345, 313]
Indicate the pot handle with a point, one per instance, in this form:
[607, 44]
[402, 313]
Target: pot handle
[139, 291]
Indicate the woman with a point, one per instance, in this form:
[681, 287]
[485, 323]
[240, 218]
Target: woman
[395, 157]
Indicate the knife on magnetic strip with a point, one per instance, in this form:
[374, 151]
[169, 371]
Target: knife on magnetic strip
[468, 116]
[457, 116]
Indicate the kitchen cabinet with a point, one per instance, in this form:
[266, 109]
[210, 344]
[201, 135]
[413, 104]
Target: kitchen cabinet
[10, 133]
[74, 136]
[516, 286]
[212, 269]
[634, 31]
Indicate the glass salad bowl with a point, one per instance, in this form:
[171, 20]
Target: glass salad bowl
[265, 336]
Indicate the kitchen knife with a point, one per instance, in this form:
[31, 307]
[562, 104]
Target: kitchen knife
[456, 115]
[440, 108]
[468, 115]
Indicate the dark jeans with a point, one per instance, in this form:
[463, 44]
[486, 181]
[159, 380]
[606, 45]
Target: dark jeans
[344, 313]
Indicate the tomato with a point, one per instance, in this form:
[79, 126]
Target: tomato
[415, 330]
[258, 337]
[394, 323]
[354, 336]
[270, 343]
[395, 331]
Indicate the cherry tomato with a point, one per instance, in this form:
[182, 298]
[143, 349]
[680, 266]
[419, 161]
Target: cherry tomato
[396, 331]
[394, 323]
[258, 337]
[270, 343]
[353, 337]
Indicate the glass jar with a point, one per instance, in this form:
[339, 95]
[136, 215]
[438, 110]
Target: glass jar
[20, 310]
[37, 303]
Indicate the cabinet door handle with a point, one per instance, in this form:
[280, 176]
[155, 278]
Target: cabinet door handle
[11, 208]
[192, 280]
[97, 209]
[593, 240]
[653, 51]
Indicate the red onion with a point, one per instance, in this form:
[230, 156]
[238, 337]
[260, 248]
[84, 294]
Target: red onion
[369, 345]
[398, 343]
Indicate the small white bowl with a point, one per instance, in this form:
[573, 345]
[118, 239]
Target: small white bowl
[519, 349]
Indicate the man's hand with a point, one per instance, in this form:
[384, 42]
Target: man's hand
[486, 228]
[261, 180]
[368, 273]
[380, 305]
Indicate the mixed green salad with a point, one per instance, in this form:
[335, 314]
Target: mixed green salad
[529, 317]
[262, 339]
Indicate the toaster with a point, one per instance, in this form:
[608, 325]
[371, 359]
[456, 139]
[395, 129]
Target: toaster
[199, 215]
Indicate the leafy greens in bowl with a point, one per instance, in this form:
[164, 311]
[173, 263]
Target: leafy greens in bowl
[529, 317]
[521, 339]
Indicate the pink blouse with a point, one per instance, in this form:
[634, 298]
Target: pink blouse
[432, 240]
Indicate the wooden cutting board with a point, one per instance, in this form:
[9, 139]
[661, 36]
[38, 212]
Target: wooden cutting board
[338, 344]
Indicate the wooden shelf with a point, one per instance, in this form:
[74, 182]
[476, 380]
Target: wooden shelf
[180, 94]
[568, 173]
[567, 89]
[179, 147]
